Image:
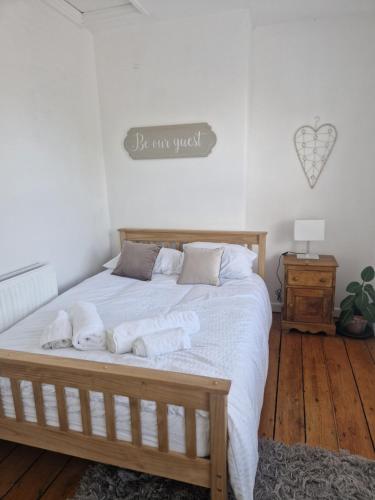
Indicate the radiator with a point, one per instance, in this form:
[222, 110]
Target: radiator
[23, 293]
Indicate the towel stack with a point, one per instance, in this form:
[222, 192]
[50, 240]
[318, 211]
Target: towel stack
[147, 337]
[162, 342]
[82, 329]
[88, 328]
[59, 333]
[121, 338]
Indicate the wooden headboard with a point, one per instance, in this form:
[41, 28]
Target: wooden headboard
[175, 238]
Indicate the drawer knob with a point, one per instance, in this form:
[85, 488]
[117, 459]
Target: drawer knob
[322, 280]
[295, 278]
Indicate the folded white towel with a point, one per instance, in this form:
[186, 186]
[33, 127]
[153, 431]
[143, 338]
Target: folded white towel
[163, 342]
[88, 328]
[57, 334]
[121, 338]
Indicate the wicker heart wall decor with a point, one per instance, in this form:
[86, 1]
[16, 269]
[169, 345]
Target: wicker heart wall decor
[314, 146]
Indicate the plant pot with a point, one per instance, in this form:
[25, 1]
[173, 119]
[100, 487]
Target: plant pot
[367, 334]
[357, 325]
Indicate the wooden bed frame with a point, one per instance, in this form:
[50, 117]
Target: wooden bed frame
[165, 388]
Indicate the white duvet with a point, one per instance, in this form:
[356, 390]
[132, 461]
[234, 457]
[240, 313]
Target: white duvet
[232, 343]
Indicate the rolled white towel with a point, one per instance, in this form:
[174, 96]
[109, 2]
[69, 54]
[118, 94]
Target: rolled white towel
[121, 338]
[88, 328]
[163, 342]
[57, 334]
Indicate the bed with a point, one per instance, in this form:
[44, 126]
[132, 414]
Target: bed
[167, 416]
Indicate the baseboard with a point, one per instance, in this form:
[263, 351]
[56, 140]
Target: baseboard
[276, 307]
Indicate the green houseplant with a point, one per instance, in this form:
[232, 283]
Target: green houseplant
[358, 308]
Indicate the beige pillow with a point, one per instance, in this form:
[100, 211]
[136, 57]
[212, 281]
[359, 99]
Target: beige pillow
[137, 260]
[201, 266]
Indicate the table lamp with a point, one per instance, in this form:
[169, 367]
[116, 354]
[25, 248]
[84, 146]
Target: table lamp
[308, 230]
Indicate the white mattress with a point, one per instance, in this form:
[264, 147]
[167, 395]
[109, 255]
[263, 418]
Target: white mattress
[232, 343]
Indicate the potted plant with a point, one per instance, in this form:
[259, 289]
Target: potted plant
[358, 308]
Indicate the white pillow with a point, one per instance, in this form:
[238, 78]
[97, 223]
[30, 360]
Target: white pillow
[237, 261]
[111, 264]
[169, 261]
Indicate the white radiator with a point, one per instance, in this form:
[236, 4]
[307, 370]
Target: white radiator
[23, 293]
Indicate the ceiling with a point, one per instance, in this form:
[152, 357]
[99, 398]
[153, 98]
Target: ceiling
[262, 11]
[84, 6]
[93, 13]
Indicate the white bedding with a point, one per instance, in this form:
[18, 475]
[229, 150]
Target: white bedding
[232, 343]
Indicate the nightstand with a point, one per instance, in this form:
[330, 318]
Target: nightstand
[309, 294]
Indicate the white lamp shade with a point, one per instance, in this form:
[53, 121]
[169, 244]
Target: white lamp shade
[309, 230]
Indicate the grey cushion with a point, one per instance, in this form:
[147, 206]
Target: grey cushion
[201, 266]
[137, 260]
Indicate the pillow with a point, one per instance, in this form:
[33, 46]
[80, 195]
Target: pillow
[169, 261]
[201, 266]
[111, 264]
[137, 260]
[237, 261]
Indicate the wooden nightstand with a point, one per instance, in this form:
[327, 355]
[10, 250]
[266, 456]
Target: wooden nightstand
[309, 294]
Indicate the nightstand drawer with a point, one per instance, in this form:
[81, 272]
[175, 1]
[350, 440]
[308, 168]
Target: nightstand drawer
[298, 277]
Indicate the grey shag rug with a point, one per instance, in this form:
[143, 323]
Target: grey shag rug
[284, 472]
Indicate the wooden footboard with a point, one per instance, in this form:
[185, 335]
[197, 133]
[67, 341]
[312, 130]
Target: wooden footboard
[165, 388]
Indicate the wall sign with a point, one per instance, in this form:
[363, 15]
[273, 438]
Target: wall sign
[170, 141]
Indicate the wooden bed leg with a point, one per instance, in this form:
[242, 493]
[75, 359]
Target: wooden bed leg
[218, 440]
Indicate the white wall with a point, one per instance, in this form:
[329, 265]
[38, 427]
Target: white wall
[53, 203]
[178, 71]
[303, 69]
[211, 69]
[255, 89]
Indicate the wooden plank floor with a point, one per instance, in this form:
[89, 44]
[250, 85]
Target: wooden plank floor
[319, 391]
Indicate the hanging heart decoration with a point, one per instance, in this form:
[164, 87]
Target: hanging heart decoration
[313, 147]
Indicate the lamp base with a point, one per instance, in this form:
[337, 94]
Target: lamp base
[306, 256]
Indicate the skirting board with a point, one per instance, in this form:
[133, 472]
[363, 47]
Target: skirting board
[276, 307]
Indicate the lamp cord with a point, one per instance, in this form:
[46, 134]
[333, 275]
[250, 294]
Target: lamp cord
[279, 291]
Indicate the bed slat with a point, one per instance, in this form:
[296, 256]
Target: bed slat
[135, 421]
[110, 416]
[61, 407]
[191, 392]
[17, 399]
[85, 411]
[162, 417]
[190, 433]
[39, 404]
